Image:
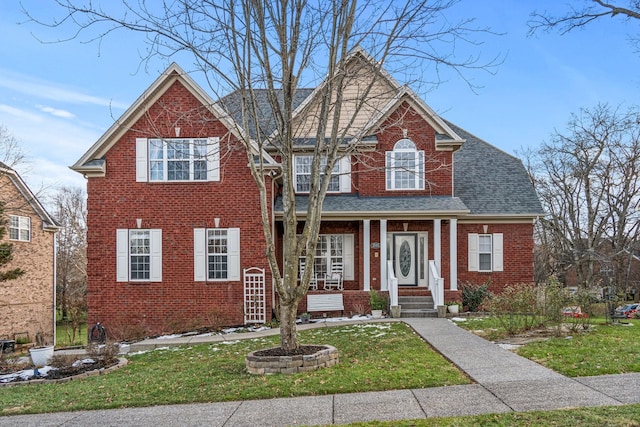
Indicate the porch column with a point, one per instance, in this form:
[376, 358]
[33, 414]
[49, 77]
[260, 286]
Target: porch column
[437, 245]
[383, 254]
[366, 274]
[453, 254]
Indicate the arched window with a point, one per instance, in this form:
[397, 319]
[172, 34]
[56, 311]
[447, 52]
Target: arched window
[405, 167]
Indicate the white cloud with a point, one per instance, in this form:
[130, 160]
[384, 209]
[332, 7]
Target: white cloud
[47, 90]
[56, 112]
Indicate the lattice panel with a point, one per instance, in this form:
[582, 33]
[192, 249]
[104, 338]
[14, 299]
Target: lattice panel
[254, 296]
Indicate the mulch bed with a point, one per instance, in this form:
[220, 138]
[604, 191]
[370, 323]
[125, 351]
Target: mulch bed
[303, 350]
[58, 373]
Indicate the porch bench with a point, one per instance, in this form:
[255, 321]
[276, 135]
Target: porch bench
[325, 302]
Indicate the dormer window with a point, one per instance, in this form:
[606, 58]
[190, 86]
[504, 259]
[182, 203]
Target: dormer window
[405, 167]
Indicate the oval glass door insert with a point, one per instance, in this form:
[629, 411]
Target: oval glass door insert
[405, 258]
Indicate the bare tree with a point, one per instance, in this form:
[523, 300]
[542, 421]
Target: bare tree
[11, 153]
[578, 17]
[275, 47]
[587, 180]
[71, 251]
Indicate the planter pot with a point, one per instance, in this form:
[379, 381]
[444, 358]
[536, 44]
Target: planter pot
[442, 311]
[395, 311]
[376, 314]
[453, 309]
[41, 356]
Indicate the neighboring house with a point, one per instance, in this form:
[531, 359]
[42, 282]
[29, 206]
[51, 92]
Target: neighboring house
[27, 303]
[171, 229]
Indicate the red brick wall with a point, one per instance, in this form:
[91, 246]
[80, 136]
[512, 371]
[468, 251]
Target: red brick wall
[117, 200]
[368, 173]
[518, 255]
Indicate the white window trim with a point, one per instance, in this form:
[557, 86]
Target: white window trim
[390, 161]
[200, 261]
[348, 256]
[343, 174]
[497, 252]
[143, 173]
[24, 224]
[123, 257]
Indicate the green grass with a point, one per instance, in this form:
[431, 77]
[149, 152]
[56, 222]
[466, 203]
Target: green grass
[610, 416]
[63, 335]
[607, 349]
[380, 356]
[604, 349]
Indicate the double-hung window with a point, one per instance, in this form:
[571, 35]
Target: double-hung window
[405, 167]
[216, 254]
[177, 159]
[330, 249]
[485, 252]
[139, 255]
[340, 180]
[20, 228]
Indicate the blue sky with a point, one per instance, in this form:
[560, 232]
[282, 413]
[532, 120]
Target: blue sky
[58, 98]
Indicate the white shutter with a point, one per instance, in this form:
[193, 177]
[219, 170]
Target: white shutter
[345, 174]
[233, 253]
[389, 170]
[348, 256]
[199, 254]
[141, 160]
[213, 159]
[473, 252]
[421, 170]
[498, 257]
[156, 255]
[122, 255]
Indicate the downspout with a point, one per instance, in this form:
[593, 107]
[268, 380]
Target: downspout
[55, 284]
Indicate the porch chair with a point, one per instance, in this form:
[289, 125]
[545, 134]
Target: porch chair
[313, 282]
[334, 278]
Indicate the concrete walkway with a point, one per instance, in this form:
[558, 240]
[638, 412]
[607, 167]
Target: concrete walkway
[505, 382]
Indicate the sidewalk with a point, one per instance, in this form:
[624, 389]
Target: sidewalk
[505, 382]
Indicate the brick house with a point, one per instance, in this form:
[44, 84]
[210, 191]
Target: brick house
[28, 302]
[429, 206]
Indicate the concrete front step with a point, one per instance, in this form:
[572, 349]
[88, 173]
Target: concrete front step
[413, 313]
[417, 306]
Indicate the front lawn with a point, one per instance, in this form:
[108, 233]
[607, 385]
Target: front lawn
[610, 416]
[376, 356]
[603, 349]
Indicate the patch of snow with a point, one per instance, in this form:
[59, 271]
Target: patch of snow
[508, 346]
[87, 361]
[458, 319]
[170, 336]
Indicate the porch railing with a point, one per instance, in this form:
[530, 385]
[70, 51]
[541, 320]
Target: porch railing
[436, 284]
[392, 284]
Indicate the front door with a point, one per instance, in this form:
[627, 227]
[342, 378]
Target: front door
[406, 258]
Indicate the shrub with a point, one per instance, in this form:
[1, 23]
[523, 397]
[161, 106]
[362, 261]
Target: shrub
[516, 308]
[473, 296]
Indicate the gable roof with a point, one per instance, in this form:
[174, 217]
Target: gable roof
[396, 95]
[491, 182]
[92, 162]
[49, 223]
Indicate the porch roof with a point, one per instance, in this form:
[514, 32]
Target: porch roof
[354, 206]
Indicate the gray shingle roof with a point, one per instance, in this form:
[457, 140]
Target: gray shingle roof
[233, 105]
[490, 181]
[361, 207]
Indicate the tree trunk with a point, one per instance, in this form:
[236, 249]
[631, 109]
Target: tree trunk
[288, 331]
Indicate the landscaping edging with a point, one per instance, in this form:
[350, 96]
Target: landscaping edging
[261, 365]
[102, 371]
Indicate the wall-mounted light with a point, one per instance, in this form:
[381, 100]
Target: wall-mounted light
[216, 222]
[177, 132]
[139, 222]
